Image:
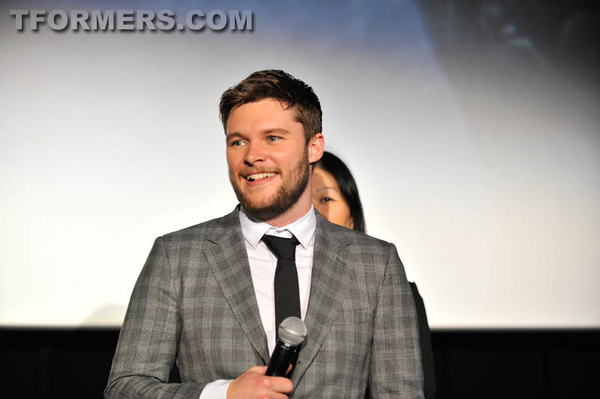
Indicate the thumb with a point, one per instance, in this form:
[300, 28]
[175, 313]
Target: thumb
[258, 369]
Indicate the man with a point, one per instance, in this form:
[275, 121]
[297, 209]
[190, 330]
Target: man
[208, 296]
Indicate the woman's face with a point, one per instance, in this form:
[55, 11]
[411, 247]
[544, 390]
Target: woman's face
[328, 200]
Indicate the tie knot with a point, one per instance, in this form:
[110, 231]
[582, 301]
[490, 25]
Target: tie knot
[283, 248]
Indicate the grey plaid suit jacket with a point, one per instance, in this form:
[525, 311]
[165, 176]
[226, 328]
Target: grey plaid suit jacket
[194, 303]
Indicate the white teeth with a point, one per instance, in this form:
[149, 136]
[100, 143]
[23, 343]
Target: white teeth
[257, 176]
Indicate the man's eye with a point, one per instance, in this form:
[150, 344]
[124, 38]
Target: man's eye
[272, 138]
[326, 199]
[236, 143]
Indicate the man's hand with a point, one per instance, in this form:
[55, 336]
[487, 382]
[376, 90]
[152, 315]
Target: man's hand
[254, 384]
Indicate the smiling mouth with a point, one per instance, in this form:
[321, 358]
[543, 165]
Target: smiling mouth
[258, 176]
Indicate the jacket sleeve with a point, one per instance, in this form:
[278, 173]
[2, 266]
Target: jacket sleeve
[396, 370]
[147, 344]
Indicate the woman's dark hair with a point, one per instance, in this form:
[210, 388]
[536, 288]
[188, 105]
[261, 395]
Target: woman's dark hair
[340, 172]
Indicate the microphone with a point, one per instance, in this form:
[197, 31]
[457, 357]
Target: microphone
[292, 332]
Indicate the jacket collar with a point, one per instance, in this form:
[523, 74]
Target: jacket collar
[331, 275]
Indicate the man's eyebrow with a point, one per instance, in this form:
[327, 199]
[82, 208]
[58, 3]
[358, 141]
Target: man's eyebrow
[238, 135]
[278, 130]
[234, 135]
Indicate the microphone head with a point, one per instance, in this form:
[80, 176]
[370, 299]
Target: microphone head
[292, 331]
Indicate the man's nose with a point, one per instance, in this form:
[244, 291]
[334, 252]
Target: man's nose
[255, 153]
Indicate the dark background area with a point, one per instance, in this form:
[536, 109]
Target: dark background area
[74, 363]
[558, 41]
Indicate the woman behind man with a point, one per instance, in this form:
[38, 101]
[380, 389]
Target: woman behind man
[335, 196]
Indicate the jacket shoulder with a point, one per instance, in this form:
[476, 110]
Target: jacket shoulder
[205, 230]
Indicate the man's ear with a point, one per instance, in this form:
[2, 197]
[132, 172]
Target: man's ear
[316, 146]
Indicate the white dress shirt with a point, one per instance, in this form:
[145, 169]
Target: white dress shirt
[262, 268]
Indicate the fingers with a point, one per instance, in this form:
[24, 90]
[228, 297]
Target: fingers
[277, 384]
[257, 369]
[253, 383]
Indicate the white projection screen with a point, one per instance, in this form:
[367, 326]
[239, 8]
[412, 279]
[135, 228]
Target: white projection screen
[477, 156]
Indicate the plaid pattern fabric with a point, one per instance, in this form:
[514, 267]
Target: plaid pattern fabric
[194, 303]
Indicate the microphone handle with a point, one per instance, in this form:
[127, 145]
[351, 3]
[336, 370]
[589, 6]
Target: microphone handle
[282, 357]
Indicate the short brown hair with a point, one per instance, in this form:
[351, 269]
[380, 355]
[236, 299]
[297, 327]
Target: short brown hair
[279, 85]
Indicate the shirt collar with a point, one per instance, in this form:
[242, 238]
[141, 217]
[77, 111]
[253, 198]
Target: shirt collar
[303, 229]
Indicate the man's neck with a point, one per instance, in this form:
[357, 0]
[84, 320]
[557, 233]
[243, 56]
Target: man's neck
[290, 216]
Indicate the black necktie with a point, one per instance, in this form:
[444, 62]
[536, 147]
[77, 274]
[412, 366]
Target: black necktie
[287, 295]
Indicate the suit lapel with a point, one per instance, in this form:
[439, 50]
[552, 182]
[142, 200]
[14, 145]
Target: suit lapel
[329, 281]
[228, 260]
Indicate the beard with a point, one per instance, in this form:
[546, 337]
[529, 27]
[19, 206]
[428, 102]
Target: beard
[286, 196]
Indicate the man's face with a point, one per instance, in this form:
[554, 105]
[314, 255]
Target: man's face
[268, 158]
